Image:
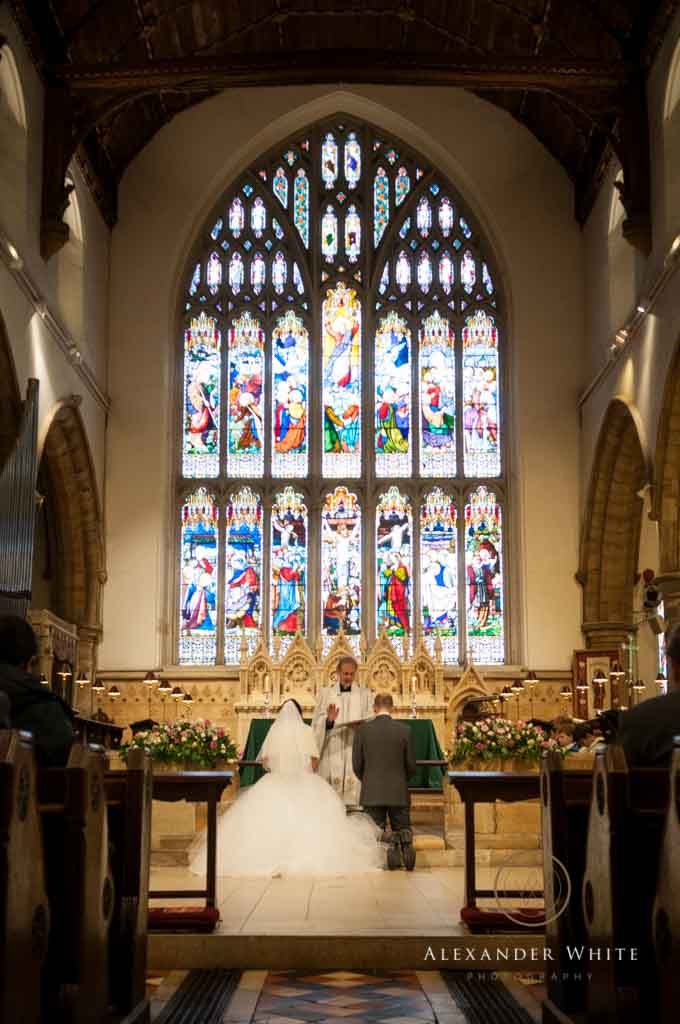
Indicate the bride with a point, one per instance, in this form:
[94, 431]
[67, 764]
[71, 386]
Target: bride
[292, 822]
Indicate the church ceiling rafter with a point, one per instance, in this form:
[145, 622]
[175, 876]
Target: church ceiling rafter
[571, 72]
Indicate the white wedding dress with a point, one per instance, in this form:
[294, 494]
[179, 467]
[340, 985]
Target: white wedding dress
[291, 822]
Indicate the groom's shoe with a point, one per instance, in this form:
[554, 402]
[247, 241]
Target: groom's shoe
[394, 851]
[408, 851]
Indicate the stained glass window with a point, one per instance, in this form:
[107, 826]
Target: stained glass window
[245, 455]
[483, 570]
[393, 397]
[288, 563]
[439, 572]
[482, 456]
[393, 546]
[341, 566]
[290, 370]
[341, 383]
[202, 360]
[243, 573]
[348, 233]
[198, 580]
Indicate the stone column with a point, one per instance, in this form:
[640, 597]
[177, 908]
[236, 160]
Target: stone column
[606, 636]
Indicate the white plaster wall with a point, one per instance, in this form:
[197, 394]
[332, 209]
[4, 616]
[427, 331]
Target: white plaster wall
[524, 201]
[35, 351]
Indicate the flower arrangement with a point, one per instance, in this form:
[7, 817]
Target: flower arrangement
[491, 738]
[196, 744]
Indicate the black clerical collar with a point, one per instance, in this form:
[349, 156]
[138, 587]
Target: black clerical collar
[345, 689]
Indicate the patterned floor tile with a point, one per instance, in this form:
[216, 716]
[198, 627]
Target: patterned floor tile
[343, 997]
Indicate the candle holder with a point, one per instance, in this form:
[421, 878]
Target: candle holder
[660, 682]
[97, 689]
[517, 688]
[151, 680]
[164, 691]
[530, 684]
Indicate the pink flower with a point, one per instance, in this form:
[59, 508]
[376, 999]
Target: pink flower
[213, 744]
[479, 746]
[220, 732]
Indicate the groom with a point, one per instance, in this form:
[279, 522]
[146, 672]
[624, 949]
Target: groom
[341, 704]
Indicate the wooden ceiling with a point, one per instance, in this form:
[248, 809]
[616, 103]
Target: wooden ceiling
[572, 71]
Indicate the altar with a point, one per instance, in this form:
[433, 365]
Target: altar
[424, 737]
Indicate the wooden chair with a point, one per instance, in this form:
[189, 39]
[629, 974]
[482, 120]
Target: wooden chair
[73, 812]
[625, 825]
[666, 918]
[565, 803]
[24, 914]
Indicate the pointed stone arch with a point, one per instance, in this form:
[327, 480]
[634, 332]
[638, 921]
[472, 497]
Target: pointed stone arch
[610, 537]
[10, 397]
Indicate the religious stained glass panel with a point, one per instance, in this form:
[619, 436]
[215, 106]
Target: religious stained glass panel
[301, 206]
[341, 566]
[381, 205]
[437, 398]
[352, 160]
[484, 579]
[481, 445]
[198, 580]
[290, 367]
[393, 547]
[439, 573]
[243, 574]
[288, 563]
[393, 397]
[245, 431]
[202, 360]
[341, 393]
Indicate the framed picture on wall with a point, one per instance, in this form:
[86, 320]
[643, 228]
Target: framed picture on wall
[591, 693]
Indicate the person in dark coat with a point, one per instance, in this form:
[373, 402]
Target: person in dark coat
[32, 707]
[383, 758]
[646, 732]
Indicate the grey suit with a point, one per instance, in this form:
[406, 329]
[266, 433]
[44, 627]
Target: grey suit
[383, 757]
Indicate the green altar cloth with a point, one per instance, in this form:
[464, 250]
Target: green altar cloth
[424, 736]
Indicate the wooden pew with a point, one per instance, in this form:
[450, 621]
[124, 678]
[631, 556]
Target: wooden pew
[24, 914]
[565, 804]
[128, 800]
[666, 918]
[625, 826]
[74, 819]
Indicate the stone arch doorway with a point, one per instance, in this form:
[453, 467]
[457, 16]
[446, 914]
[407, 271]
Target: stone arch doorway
[611, 530]
[69, 563]
[10, 398]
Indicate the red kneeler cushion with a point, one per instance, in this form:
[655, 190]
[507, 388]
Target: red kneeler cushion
[479, 920]
[183, 919]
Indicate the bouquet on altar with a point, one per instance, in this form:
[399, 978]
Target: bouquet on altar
[197, 744]
[489, 738]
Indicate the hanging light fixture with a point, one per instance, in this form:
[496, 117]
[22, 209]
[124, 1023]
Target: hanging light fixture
[82, 679]
[177, 693]
[97, 685]
[660, 682]
[530, 683]
[44, 680]
[187, 699]
[114, 692]
[164, 688]
[65, 671]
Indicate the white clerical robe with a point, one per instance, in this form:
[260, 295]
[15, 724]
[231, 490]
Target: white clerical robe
[335, 764]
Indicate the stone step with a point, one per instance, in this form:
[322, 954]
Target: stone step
[180, 841]
[169, 858]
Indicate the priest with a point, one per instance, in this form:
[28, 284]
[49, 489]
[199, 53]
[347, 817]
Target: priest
[340, 708]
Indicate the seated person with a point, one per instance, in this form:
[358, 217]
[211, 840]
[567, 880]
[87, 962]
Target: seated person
[32, 707]
[587, 736]
[646, 732]
[563, 732]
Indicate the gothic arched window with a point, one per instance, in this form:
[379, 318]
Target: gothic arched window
[342, 463]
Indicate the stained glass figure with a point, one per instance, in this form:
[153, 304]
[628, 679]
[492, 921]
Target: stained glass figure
[200, 451]
[341, 371]
[439, 572]
[243, 574]
[465, 228]
[480, 397]
[393, 397]
[424, 272]
[352, 234]
[486, 280]
[437, 398]
[195, 280]
[381, 204]
[329, 161]
[446, 217]
[352, 160]
[258, 272]
[341, 564]
[236, 273]
[384, 279]
[198, 580]
[280, 186]
[423, 217]
[279, 272]
[662, 658]
[237, 217]
[393, 540]
[329, 235]
[297, 280]
[245, 371]
[258, 217]
[301, 206]
[468, 271]
[213, 273]
[278, 230]
[290, 364]
[217, 229]
[446, 272]
[288, 563]
[402, 272]
[402, 186]
[483, 569]
[405, 228]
